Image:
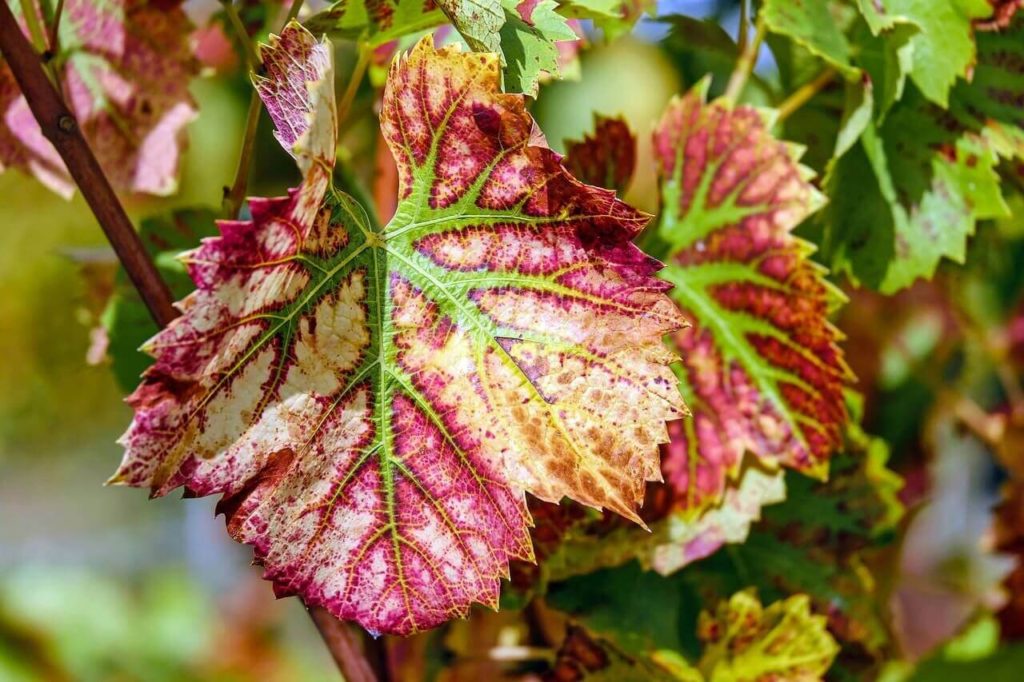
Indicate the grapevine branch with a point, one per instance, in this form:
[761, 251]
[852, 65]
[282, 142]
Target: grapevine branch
[60, 128]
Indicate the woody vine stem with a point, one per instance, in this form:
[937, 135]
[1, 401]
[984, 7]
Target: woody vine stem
[59, 126]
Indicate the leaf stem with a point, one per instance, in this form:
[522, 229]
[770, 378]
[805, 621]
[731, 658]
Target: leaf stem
[344, 646]
[35, 25]
[60, 128]
[362, 62]
[743, 35]
[745, 62]
[55, 28]
[251, 55]
[234, 196]
[804, 93]
[293, 11]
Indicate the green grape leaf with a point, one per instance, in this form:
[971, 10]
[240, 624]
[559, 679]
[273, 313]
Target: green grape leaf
[944, 49]
[914, 190]
[478, 21]
[909, 197]
[524, 33]
[814, 26]
[614, 17]
[607, 157]
[528, 43]
[990, 103]
[374, 403]
[887, 58]
[378, 21]
[131, 103]
[762, 370]
[125, 318]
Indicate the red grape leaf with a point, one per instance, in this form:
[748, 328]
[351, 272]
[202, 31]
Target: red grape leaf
[761, 369]
[125, 67]
[607, 158]
[374, 404]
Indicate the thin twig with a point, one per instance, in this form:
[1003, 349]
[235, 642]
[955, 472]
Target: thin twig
[234, 196]
[804, 93]
[362, 61]
[745, 62]
[60, 128]
[744, 30]
[251, 55]
[293, 11]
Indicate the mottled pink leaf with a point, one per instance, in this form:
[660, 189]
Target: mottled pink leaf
[374, 404]
[125, 68]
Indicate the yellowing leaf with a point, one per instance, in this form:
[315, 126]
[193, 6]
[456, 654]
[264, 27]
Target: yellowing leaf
[125, 68]
[746, 642]
[373, 404]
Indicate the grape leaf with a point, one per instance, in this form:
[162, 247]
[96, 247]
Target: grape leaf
[917, 186]
[606, 158]
[887, 59]
[524, 33]
[373, 404]
[909, 197]
[614, 17]
[814, 26]
[529, 40]
[125, 68]
[762, 370]
[742, 641]
[990, 103]
[376, 21]
[125, 318]
[944, 49]
[478, 21]
[746, 642]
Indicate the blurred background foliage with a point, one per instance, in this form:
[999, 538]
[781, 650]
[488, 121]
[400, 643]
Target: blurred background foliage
[103, 584]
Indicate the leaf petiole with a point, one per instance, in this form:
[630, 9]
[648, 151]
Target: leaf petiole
[746, 62]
